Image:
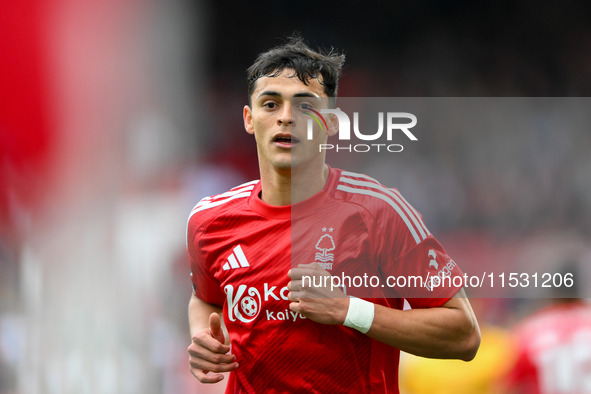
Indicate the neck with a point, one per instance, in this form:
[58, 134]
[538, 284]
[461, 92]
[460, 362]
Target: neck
[288, 187]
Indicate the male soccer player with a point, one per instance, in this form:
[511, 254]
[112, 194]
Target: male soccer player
[259, 254]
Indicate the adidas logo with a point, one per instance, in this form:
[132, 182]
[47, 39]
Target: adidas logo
[236, 260]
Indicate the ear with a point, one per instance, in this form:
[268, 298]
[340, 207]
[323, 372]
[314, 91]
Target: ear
[333, 124]
[247, 116]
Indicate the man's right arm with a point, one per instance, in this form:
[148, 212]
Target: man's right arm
[208, 351]
[199, 312]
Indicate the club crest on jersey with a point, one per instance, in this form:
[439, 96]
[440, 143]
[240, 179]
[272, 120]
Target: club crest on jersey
[325, 245]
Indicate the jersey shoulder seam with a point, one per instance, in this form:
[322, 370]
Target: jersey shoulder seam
[219, 204]
[391, 199]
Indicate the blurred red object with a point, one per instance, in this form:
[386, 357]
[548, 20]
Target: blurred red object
[25, 133]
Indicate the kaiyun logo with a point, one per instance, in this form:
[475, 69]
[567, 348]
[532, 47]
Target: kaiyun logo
[392, 120]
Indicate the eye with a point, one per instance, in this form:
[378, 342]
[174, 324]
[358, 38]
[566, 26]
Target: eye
[270, 105]
[306, 106]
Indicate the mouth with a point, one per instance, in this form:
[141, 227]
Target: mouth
[284, 140]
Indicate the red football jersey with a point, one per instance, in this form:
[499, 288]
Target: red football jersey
[241, 249]
[554, 351]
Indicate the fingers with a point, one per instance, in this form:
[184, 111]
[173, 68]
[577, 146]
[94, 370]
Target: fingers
[306, 270]
[202, 361]
[215, 326]
[212, 362]
[298, 273]
[204, 377]
[295, 307]
[311, 281]
[314, 266]
[295, 290]
[205, 340]
[197, 350]
[208, 354]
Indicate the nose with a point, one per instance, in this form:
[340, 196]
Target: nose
[285, 117]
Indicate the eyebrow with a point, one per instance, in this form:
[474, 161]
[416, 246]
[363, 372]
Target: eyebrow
[273, 93]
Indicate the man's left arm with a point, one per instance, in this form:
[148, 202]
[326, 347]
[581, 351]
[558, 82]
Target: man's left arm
[448, 331]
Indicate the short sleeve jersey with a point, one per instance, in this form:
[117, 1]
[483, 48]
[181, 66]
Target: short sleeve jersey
[367, 235]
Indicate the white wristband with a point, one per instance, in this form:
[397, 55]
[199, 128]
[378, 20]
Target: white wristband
[360, 314]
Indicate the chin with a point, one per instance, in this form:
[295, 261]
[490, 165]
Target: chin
[283, 165]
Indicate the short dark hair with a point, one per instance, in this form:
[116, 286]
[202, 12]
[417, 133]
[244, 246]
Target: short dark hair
[306, 63]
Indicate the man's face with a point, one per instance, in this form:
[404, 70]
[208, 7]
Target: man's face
[278, 120]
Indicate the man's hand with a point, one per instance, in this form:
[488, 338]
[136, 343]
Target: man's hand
[319, 300]
[208, 353]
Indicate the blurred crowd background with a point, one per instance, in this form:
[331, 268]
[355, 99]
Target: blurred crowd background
[116, 117]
